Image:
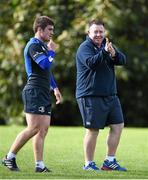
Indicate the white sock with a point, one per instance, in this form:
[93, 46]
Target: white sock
[110, 158]
[88, 162]
[40, 164]
[10, 155]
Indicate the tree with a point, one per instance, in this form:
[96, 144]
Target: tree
[125, 23]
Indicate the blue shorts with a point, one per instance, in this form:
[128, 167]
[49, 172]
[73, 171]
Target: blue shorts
[37, 101]
[97, 112]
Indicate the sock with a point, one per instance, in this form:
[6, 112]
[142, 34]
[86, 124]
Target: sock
[110, 158]
[40, 164]
[88, 162]
[10, 155]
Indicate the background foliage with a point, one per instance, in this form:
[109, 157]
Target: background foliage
[126, 23]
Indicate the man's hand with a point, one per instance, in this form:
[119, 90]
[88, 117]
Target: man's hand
[58, 96]
[109, 48]
[51, 45]
[106, 45]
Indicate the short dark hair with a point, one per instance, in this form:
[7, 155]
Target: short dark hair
[42, 21]
[97, 22]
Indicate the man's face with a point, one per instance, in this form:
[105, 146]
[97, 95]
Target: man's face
[47, 33]
[96, 33]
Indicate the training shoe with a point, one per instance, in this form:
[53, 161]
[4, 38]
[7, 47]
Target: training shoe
[91, 166]
[10, 164]
[40, 170]
[112, 165]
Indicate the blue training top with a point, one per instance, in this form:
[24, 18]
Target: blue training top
[95, 70]
[38, 60]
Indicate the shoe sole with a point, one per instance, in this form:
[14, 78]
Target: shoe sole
[106, 169]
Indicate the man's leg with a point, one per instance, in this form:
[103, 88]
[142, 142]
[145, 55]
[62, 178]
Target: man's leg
[32, 129]
[90, 144]
[38, 140]
[110, 162]
[21, 139]
[90, 140]
[114, 138]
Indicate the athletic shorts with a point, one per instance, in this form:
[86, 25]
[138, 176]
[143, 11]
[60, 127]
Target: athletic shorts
[37, 101]
[98, 112]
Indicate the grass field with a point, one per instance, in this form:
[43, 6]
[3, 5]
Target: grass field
[64, 154]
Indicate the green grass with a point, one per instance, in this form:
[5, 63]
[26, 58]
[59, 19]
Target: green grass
[64, 154]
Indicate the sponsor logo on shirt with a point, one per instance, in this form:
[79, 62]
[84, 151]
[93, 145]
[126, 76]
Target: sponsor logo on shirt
[37, 53]
[50, 59]
[43, 48]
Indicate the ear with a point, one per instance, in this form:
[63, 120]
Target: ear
[39, 29]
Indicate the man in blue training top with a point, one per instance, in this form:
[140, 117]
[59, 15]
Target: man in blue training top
[96, 94]
[38, 54]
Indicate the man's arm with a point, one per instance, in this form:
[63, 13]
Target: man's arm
[40, 57]
[52, 82]
[55, 89]
[118, 57]
[86, 54]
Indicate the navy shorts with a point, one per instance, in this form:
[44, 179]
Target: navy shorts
[37, 101]
[98, 112]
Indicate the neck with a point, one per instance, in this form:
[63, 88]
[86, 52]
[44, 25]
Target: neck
[98, 45]
[38, 37]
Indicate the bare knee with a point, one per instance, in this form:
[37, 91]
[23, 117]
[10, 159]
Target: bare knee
[42, 132]
[92, 132]
[117, 128]
[33, 130]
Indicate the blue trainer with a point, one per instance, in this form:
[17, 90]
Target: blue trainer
[91, 166]
[112, 165]
[39, 170]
